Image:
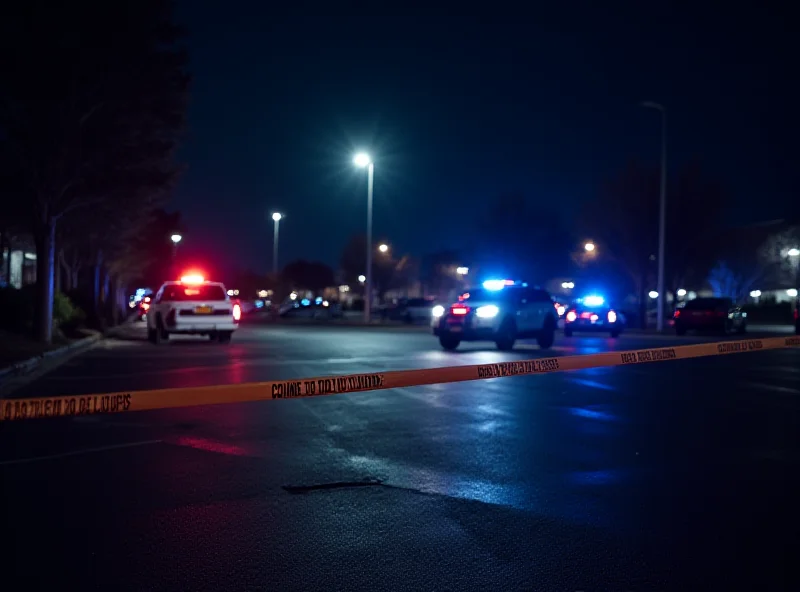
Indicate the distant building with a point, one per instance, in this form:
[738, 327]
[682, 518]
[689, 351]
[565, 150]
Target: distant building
[18, 258]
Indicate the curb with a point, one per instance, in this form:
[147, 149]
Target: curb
[21, 368]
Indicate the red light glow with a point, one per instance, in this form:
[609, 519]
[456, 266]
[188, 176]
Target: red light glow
[459, 310]
[193, 278]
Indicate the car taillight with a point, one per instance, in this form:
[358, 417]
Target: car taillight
[459, 311]
[571, 316]
[145, 305]
[237, 313]
[677, 314]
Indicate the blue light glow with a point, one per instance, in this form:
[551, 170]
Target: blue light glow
[305, 302]
[594, 300]
[497, 284]
[318, 300]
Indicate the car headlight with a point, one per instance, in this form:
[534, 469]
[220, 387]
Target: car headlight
[571, 316]
[437, 311]
[487, 312]
[612, 316]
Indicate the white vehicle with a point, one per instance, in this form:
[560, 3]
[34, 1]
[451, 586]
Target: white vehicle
[501, 311]
[192, 306]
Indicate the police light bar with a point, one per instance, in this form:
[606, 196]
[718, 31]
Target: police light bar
[594, 300]
[497, 284]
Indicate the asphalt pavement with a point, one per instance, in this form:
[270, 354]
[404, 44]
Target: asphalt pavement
[675, 475]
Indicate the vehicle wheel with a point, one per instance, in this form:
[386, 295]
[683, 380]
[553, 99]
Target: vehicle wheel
[224, 336]
[614, 333]
[548, 334]
[680, 330]
[567, 332]
[449, 342]
[507, 335]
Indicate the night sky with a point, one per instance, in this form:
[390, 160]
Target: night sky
[457, 110]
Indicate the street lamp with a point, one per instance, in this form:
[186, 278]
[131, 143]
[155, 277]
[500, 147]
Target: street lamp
[462, 270]
[794, 252]
[653, 294]
[662, 209]
[383, 248]
[589, 247]
[175, 238]
[362, 160]
[276, 218]
[362, 278]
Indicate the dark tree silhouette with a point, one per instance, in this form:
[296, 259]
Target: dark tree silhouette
[308, 275]
[92, 101]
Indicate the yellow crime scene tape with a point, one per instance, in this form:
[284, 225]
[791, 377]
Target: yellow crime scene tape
[18, 409]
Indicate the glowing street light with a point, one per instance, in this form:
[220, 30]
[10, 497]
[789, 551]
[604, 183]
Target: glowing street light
[362, 278]
[176, 238]
[568, 285]
[681, 292]
[362, 160]
[653, 294]
[589, 247]
[755, 293]
[462, 270]
[794, 252]
[383, 248]
[276, 218]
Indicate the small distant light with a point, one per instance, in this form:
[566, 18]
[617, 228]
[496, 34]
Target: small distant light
[318, 300]
[262, 294]
[612, 316]
[437, 311]
[462, 270]
[276, 217]
[755, 293]
[560, 310]
[325, 303]
[792, 292]
[362, 278]
[176, 238]
[293, 296]
[794, 252]
[236, 292]
[383, 248]
[345, 288]
[681, 292]
[653, 294]
[230, 292]
[571, 316]
[589, 247]
[594, 318]
[305, 302]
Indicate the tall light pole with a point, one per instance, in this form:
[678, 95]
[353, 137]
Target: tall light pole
[276, 218]
[175, 238]
[662, 215]
[363, 160]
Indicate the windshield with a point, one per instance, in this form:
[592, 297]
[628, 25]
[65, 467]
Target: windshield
[709, 304]
[193, 293]
[481, 294]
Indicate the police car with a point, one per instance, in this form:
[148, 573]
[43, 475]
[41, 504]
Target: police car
[593, 314]
[501, 311]
[192, 306]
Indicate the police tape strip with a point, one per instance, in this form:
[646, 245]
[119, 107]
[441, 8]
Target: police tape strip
[17, 409]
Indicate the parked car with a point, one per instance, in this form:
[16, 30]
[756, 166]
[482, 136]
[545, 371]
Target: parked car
[710, 314]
